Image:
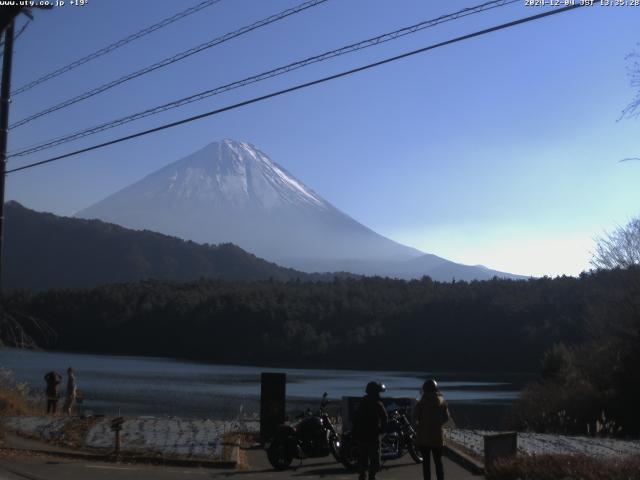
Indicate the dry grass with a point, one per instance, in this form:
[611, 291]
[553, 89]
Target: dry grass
[12, 454]
[16, 398]
[75, 432]
[560, 467]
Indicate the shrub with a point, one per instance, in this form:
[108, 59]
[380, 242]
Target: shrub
[577, 408]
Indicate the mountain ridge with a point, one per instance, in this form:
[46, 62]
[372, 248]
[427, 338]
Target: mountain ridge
[230, 191]
[43, 250]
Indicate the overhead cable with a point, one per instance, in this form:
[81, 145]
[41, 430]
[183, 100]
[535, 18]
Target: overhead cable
[168, 61]
[260, 77]
[115, 45]
[301, 86]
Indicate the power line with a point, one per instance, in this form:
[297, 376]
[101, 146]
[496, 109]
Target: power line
[116, 45]
[262, 76]
[170, 60]
[302, 86]
[20, 32]
[17, 35]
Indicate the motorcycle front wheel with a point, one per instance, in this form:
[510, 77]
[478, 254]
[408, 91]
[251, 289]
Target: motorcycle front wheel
[349, 456]
[279, 456]
[334, 448]
[415, 453]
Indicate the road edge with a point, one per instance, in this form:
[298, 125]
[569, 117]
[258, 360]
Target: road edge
[127, 458]
[463, 459]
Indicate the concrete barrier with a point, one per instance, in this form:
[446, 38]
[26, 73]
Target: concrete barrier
[463, 459]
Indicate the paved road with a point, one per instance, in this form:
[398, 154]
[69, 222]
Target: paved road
[49, 468]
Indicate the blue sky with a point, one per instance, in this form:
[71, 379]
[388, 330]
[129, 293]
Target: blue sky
[502, 150]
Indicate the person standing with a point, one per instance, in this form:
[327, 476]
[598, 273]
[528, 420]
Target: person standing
[369, 424]
[71, 392]
[430, 414]
[53, 379]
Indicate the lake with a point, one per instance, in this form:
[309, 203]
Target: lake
[161, 386]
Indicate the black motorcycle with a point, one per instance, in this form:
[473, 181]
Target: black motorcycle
[312, 437]
[398, 440]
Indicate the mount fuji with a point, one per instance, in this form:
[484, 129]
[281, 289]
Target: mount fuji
[232, 192]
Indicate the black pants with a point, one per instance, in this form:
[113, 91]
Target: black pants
[437, 460]
[369, 457]
[52, 404]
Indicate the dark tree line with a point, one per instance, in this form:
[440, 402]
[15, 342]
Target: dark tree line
[584, 333]
[371, 322]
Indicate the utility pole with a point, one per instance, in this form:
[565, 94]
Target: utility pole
[5, 92]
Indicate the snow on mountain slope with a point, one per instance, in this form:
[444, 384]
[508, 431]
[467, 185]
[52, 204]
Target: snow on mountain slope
[232, 192]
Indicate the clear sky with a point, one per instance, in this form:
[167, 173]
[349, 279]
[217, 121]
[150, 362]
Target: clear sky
[503, 150]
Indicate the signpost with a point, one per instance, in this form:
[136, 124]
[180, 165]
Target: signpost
[116, 426]
[272, 403]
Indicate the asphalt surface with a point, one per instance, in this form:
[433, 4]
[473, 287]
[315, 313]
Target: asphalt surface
[49, 468]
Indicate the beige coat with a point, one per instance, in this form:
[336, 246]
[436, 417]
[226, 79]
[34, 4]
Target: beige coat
[430, 414]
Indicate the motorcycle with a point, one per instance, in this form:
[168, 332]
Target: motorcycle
[312, 437]
[398, 439]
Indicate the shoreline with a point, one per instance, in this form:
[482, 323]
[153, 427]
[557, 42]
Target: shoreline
[283, 367]
[158, 386]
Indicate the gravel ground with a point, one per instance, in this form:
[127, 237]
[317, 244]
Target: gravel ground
[538, 443]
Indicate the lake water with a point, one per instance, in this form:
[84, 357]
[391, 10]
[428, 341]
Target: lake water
[162, 386]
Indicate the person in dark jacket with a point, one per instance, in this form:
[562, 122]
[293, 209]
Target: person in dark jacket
[430, 414]
[53, 379]
[369, 424]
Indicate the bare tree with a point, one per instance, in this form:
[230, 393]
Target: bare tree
[633, 71]
[20, 330]
[620, 248]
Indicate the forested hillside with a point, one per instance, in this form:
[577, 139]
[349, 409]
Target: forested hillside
[43, 251]
[372, 322]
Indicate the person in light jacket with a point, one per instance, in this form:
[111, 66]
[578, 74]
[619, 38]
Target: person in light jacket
[430, 414]
[71, 392]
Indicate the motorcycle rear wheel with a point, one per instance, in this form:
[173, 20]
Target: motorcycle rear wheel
[279, 456]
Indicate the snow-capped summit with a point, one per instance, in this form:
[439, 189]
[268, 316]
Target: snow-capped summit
[230, 191]
[239, 174]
